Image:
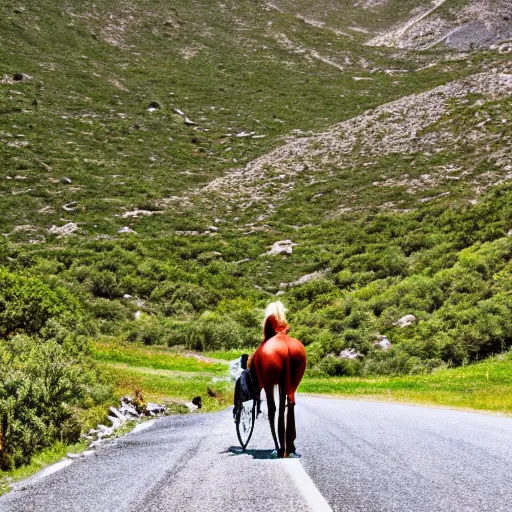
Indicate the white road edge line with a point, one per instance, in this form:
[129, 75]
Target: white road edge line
[142, 426]
[43, 473]
[306, 486]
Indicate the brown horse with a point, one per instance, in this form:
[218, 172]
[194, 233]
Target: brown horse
[279, 361]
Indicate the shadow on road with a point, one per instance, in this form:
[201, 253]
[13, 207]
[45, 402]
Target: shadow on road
[255, 454]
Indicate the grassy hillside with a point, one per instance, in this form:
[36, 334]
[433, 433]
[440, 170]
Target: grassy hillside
[152, 153]
[93, 70]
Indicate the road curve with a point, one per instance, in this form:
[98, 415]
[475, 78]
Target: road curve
[362, 456]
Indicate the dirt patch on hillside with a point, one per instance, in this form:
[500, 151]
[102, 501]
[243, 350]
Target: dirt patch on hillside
[370, 4]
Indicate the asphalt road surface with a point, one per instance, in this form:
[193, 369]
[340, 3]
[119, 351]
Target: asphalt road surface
[356, 456]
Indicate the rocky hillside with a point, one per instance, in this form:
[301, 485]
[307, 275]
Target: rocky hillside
[475, 24]
[177, 166]
[111, 108]
[425, 125]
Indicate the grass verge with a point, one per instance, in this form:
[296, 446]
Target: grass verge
[485, 386]
[43, 459]
[156, 357]
[164, 375]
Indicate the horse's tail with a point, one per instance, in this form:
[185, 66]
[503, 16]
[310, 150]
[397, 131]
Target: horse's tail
[275, 320]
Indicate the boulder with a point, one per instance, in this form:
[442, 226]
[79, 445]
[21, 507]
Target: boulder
[127, 229]
[155, 408]
[105, 431]
[282, 247]
[129, 411]
[137, 213]
[350, 353]
[116, 422]
[191, 407]
[65, 230]
[405, 321]
[112, 411]
[382, 343]
[70, 207]
[304, 279]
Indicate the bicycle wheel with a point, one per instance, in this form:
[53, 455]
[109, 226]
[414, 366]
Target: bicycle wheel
[245, 416]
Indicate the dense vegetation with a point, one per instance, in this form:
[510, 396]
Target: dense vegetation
[93, 102]
[45, 374]
[449, 267]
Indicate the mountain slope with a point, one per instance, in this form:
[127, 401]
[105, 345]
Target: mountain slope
[97, 126]
[152, 153]
[352, 158]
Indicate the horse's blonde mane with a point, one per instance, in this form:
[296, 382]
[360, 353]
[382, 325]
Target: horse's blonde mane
[276, 310]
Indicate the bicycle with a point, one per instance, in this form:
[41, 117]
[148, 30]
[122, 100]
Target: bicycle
[244, 410]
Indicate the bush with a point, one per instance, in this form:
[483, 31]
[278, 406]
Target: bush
[312, 290]
[178, 297]
[334, 366]
[112, 311]
[384, 261]
[314, 352]
[148, 329]
[212, 333]
[177, 335]
[4, 250]
[27, 304]
[39, 384]
[104, 284]
[392, 362]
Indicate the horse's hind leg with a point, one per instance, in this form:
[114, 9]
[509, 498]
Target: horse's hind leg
[280, 421]
[271, 405]
[290, 429]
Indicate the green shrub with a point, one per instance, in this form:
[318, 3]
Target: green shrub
[213, 333]
[334, 366]
[27, 304]
[177, 335]
[110, 310]
[382, 260]
[39, 384]
[392, 362]
[311, 290]
[314, 351]
[148, 329]
[199, 298]
[4, 250]
[104, 284]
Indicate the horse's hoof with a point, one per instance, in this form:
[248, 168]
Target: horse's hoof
[293, 455]
[274, 455]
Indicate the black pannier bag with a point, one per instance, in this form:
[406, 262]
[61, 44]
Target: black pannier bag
[244, 387]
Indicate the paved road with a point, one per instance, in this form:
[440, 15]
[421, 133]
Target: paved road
[375, 457]
[362, 456]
